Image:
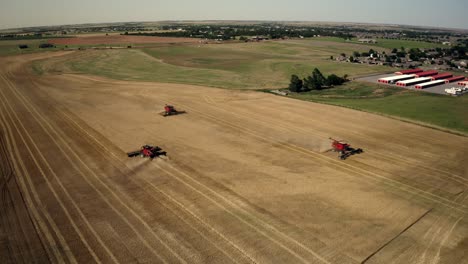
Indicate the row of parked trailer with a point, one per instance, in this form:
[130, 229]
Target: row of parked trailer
[457, 90]
[422, 79]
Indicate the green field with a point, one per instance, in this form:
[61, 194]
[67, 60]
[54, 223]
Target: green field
[416, 106]
[407, 44]
[240, 66]
[10, 47]
[387, 44]
[265, 66]
[332, 46]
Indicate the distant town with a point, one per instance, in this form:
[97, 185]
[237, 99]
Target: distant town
[449, 51]
[450, 58]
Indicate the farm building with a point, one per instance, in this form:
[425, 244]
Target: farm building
[373, 41]
[410, 71]
[463, 83]
[441, 76]
[426, 73]
[413, 81]
[454, 79]
[393, 79]
[429, 84]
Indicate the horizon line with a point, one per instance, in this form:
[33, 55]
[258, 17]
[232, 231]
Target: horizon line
[242, 20]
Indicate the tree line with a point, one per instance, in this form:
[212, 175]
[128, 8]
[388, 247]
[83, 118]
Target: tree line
[226, 32]
[315, 81]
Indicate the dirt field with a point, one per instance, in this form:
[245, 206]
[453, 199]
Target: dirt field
[118, 39]
[247, 179]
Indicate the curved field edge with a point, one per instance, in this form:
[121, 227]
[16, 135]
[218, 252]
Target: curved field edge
[441, 112]
[253, 67]
[231, 66]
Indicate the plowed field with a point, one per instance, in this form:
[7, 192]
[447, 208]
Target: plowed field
[248, 177]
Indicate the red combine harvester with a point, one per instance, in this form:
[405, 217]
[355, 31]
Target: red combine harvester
[344, 149]
[170, 110]
[147, 151]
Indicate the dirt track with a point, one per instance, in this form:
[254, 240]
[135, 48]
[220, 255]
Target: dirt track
[247, 178]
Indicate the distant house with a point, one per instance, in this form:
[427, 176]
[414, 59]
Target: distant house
[258, 38]
[413, 64]
[443, 67]
[372, 41]
[461, 63]
[428, 62]
[341, 58]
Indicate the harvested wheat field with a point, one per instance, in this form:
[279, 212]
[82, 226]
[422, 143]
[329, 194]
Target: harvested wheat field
[248, 177]
[118, 39]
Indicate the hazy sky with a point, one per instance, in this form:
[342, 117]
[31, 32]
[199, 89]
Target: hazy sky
[441, 13]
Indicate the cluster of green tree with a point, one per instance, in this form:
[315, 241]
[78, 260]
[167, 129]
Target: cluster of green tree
[428, 36]
[225, 32]
[416, 54]
[274, 31]
[30, 36]
[457, 52]
[463, 42]
[363, 54]
[46, 45]
[21, 36]
[409, 33]
[315, 81]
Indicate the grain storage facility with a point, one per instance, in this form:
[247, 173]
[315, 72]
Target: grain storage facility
[463, 83]
[410, 71]
[426, 73]
[441, 76]
[429, 84]
[393, 79]
[413, 81]
[454, 79]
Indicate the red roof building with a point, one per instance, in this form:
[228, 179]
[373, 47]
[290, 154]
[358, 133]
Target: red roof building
[410, 71]
[426, 73]
[442, 76]
[429, 84]
[454, 79]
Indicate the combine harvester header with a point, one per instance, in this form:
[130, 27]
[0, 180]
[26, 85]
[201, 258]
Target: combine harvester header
[147, 151]
[344, 149]
[170, 110]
